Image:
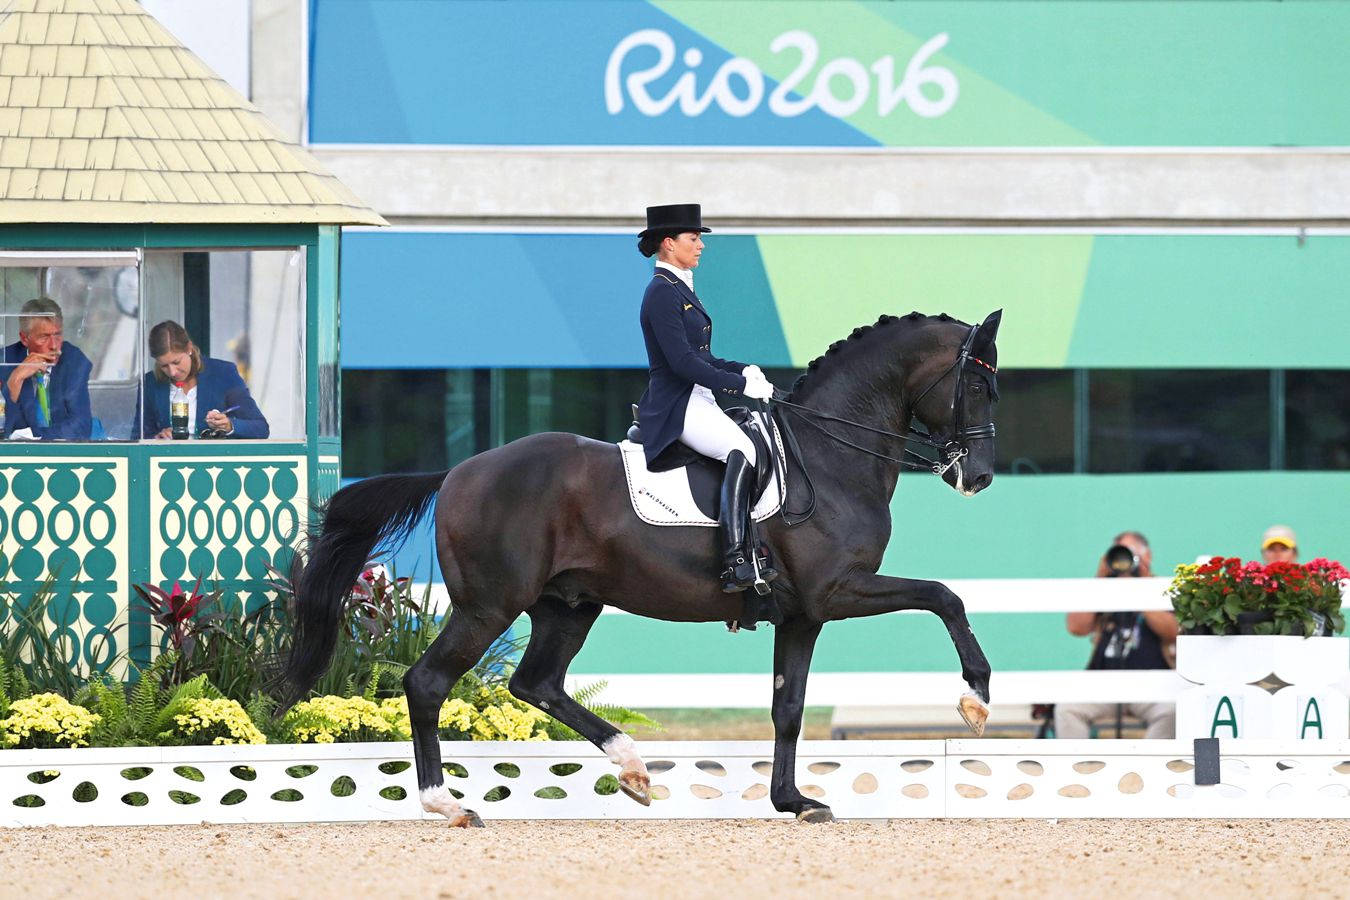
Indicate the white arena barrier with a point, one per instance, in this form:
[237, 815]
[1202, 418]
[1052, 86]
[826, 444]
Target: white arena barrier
[691, 780]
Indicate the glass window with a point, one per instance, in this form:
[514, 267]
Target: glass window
[244, 309]
[1035, 421]
[594, 403]
[395, 420]
[79, 309]
[1178, 420]
[1317, 419]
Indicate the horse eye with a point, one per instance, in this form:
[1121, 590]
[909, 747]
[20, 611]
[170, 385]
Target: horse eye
[977, 388]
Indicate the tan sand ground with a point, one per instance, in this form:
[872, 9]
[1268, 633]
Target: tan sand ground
[1177, 860]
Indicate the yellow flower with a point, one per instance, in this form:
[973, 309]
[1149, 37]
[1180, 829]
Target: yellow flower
[325, 720]
[219, 720]
[498, 717]
[47, 719]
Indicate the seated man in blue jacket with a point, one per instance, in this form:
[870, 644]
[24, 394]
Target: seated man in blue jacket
[47, 383]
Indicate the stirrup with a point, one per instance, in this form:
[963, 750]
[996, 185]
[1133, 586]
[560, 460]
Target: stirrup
[738, 576]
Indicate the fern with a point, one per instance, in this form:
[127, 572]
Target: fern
[195, 689]
[586, 694]
[147, 700]
[262, 710]
[373, 684]
[624, 718]
[108, 699]
[619, 716]
[13, 686]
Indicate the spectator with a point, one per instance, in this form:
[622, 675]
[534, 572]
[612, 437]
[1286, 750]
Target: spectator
[47, 388]
[1278, 544]
[1124, 640]
[219, 404]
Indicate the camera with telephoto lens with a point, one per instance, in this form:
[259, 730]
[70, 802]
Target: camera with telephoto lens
[1121, 562]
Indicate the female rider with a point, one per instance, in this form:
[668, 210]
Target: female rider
[684, 379]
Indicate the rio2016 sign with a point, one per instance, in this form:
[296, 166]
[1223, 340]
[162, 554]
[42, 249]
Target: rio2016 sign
[840, 88]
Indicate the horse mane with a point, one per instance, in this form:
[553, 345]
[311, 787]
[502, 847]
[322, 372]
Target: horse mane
[829, 360]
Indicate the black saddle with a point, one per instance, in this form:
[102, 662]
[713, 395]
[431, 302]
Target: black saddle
[705, 475]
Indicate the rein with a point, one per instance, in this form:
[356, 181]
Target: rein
[952, 451]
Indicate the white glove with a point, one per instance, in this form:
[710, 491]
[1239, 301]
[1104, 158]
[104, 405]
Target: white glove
[752, 372]
[758, 388]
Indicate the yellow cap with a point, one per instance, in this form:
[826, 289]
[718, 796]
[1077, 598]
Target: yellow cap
[1279, 534]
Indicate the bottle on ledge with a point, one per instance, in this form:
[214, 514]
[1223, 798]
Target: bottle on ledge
[178, 412]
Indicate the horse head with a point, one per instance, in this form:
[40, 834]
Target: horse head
[956, 388]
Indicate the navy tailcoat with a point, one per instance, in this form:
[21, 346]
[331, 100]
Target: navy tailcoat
[678, 332]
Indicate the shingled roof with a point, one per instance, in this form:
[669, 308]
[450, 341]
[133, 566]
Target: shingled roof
[106, 117]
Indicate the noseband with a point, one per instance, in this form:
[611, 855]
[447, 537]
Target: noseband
[950, 449]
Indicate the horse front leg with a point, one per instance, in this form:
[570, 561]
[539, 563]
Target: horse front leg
[793, 643]
[870, 595]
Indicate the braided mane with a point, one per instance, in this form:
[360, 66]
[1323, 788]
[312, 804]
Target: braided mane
[840, 349]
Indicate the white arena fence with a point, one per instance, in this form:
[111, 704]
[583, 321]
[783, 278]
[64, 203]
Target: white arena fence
[691, 780]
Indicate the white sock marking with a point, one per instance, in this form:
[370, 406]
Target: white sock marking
[439, 800]
[623, 753]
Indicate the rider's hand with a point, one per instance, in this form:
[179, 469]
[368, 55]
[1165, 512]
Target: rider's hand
[752, 371]
[758, 388]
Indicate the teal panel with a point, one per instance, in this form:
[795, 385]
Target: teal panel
[1214, 301]
[1057, 526]
[1071, 300]
[1130, 73]
[734, 279]
[116, 236]
[908, 642]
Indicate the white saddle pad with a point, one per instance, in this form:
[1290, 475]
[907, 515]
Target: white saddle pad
[664, 498]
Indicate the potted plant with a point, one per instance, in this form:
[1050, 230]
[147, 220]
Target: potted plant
[1227, 596]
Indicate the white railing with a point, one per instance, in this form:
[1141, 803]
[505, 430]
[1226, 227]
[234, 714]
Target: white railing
[691, 780]
[1000, 595]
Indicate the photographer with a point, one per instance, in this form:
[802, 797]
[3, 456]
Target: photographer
[1123, 640]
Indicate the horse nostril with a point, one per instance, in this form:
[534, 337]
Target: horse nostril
[982, 481]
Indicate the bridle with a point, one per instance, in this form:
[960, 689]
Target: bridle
[951, 449]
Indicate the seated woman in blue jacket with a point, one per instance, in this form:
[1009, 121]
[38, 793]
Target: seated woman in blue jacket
[218, 399]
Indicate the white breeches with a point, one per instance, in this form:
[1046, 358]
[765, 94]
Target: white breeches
[708, 431]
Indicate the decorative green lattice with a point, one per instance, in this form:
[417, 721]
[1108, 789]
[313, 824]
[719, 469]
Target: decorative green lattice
[225, 519]
[66, 517]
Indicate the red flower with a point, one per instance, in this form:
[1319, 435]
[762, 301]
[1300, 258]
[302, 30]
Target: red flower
[181, 606]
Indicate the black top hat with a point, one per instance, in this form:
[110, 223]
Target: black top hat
[678, 217]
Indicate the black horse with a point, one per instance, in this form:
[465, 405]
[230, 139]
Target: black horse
[543, 526]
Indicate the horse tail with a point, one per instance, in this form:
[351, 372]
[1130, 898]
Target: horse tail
[357, 519]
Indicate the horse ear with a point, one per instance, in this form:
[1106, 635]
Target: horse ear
[987, 332]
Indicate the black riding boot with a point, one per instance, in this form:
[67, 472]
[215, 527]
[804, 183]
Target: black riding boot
[738, 571]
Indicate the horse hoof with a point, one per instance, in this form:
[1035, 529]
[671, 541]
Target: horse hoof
[466, 819]
[637, 786]
[975, 711]
[816, 815]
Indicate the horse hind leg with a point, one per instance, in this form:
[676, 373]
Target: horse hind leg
[427, 684]
[557, 632]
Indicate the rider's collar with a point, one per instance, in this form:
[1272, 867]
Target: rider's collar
[685, 275]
